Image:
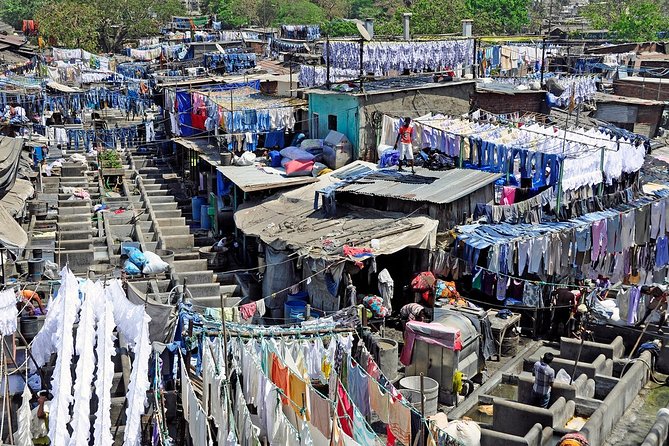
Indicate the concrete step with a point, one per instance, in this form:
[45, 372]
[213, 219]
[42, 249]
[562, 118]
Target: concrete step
[178, 243]
[195, 277]
[187, 266]
[174, 230]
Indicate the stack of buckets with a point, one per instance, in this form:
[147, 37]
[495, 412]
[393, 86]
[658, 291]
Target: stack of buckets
[295, 308]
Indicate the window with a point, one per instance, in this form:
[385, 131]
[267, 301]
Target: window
[332, 122]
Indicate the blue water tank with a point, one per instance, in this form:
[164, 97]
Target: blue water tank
[294, 311]
[205, 221]
[196, 204]
[300, 296]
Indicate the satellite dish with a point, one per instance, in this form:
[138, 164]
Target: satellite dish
[363, 31]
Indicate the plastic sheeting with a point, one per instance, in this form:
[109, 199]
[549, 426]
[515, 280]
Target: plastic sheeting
[279, 275]
[163, 316]
[10, 152]
[288, 221]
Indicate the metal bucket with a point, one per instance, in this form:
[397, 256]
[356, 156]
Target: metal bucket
[21, 267]
[209, 255]
[226, 158]
[166, 254]
[30, 326]
[430, 390]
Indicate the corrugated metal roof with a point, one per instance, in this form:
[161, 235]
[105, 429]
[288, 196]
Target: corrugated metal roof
[448, 185]
[255, 178]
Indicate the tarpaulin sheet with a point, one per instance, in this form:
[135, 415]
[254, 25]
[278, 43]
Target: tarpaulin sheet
[184, 107]
[430, 333]
[163, 316]
[15, 199]
[12, 235]
[10, 152]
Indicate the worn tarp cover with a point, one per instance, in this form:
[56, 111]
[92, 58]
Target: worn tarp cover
[15, 199]
[163, 316]
[279, 275]
[288, 221]
[10, 152]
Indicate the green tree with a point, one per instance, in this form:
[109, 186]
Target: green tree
[340, 28]
[236, 13]
[499, 16]
[69, 24]
[636, 20]
[15, 11]
[131, 19]
[299, 12]
[429, 17]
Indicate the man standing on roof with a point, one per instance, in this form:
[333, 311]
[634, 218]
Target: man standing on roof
[404, 138]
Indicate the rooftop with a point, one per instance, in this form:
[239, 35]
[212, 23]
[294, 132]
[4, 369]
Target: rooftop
[392, 85]
[288, 220]
[429, 186]
[604, 98]
[255, 178]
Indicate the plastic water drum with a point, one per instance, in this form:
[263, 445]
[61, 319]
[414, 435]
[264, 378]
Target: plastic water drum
[294, 311]
[430, 390]
[300, 296]
[196, 204]
[205, 221]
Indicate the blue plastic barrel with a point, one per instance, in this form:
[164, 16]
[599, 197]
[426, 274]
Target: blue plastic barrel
[300, 296]
[294, 311]
[205, 221]
[196, 204]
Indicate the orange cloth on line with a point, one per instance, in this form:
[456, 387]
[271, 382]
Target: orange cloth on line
[298, 395]
[279, 376]
[400, 421]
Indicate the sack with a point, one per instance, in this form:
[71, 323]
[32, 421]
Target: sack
[296, 154]
[467, 432]
[131, 268]
[135, 256]
[297, 168]
[247, 159]
[154, 264]
[317, 169]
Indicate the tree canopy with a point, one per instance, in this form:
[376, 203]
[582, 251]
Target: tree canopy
[103, 24]
[635, 20]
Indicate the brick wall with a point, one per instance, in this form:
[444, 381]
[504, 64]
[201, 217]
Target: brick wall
[642, 90]
[510, 103]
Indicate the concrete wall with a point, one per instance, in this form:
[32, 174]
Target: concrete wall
[648, 90]
[600, 424]
[659, 431]
[450, 99]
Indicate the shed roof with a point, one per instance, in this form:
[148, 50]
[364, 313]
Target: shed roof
[255, 178]
[439, 187]
[288, 220]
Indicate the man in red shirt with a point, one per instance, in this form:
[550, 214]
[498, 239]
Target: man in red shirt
[404, 138]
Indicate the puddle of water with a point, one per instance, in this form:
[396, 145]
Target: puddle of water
[477, 415]
[632, 428]
[508, 391]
